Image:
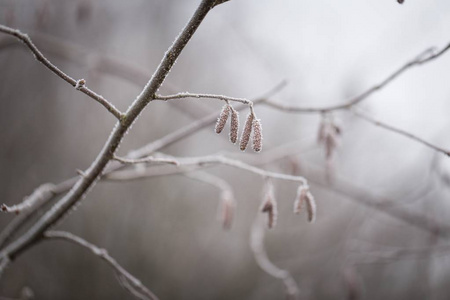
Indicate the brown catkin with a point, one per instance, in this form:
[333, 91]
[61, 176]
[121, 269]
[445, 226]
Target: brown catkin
[311, 207]
[257, 135]
[245, 137]
[222, 120]
[300, 198]
[234, 125]
[269, 205]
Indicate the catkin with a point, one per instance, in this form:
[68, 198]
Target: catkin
[257, 135]
[269, 206]
[245, 137]
[300, 199]
[222, 120]
[311, 207]
[234, 125]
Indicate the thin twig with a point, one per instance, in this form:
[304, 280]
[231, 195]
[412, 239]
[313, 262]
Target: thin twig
[257, 245]
[195, 163]
[148, 159]
[422, 58]
[42, 192]
[202, 96]
[75, 83]
[103, 254]
[411, 136]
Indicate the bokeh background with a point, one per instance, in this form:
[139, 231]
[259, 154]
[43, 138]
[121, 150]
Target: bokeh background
[383, 209]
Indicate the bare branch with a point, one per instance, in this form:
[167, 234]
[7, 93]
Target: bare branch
[257, 245]
[75, 83]
[423, 58]
[149, 159]
[194, 163]
[111, 145]
[411, 136]
[146, 150]
[38, 195]
[19, 221]
[134, 283]
[202, 96]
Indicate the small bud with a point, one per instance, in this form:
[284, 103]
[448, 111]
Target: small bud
[269, 205]
[80, 83]
[245, 137]
[400, 1]
[234, 126]
[257, 135]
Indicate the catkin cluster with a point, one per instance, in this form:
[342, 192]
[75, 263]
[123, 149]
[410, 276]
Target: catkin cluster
[251, 125]
[303, 198]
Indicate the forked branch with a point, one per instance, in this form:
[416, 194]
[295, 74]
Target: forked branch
[137, 288]
[78, 84]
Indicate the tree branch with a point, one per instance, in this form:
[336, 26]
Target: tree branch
[423, 58]
[145, 160]
[135, 284]
[202, 96]
[195, 163]
[259, 252]
[78, 84]
[146, 150]
[411, 136]
[111, 145]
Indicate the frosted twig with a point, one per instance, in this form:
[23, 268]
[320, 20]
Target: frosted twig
[421, 59]
[257, 245]
[411, 136]
[42, 192]
[103, 254]
[75, 83]
[202, 96]
[148, 159]
[24, 215]
[194, 163]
